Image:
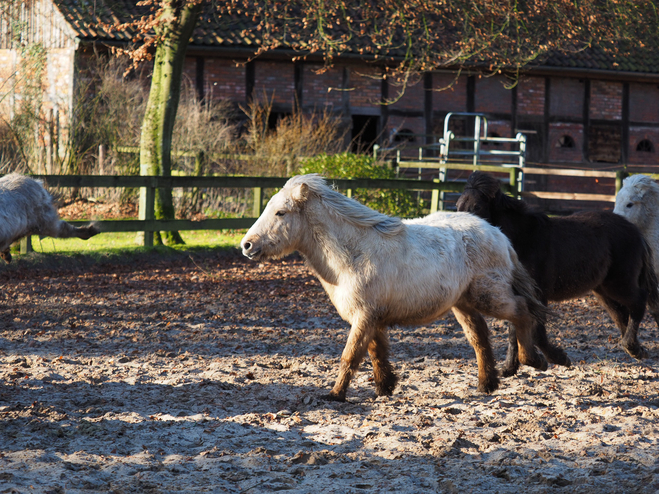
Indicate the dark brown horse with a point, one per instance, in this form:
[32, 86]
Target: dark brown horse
[570, 256]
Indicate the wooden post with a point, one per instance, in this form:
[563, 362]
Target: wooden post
[26, 245]
[146, 211]
[620, 176]
[101, 159]
[258, 202]
[349, 193]
[434, 201]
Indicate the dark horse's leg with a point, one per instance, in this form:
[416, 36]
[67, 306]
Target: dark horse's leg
[554, 354]
[476, 330]
[626, 306]
[511, 365]
[383, 372]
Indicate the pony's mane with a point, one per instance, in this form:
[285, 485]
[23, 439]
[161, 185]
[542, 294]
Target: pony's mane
[489, 187]
[348, 209]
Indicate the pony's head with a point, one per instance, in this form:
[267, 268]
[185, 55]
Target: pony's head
[480, 191]
[638, 200]
[278, 230]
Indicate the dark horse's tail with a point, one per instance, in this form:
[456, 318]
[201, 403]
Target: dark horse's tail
[648, 280]
[525, 286]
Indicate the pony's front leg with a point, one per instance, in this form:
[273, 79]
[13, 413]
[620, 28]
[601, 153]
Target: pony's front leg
[477, 333]
[361, 335]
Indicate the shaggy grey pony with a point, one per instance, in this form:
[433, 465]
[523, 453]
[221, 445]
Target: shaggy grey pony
[26, 208]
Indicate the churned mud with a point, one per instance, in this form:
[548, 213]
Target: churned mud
[202, 373]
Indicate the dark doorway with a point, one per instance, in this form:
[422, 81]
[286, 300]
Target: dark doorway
[365, 130]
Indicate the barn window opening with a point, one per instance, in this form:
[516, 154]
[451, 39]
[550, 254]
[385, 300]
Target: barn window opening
[565, 141]
[404, 135]
[365, 131]
[645, 146]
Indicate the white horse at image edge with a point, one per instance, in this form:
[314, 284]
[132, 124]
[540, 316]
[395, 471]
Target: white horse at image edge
[380, 271]
[638, 202]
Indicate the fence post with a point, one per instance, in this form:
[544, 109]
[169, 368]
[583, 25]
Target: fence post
[258, 202]
[434, 200]
[26, 245]
[620, 176]
[146, 211]
[101, 159]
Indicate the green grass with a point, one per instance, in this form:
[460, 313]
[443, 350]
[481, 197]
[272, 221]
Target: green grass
[126, 242]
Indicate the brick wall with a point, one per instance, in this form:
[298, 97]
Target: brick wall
[449, 94]
[606, 100]
[224, 79]
[558, 153]
[396, 123]
[492, 96]
[643, 102]
[274, 81]
[322, 88]
[365, 87]
[636, 135]
[531, 96]
[567, 97]
[413, 96]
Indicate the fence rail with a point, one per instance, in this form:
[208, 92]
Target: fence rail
[148, 185]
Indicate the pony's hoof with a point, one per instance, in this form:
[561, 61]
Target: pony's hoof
[559, 359]
[538, 362]
[333, 397]
[509, 369]
[386, 387]
[489, 385]
[637, 351]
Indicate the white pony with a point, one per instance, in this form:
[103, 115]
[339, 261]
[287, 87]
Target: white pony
[380, 271]
[638, 202]
[26, 208]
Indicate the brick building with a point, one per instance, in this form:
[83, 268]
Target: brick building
[585, 110]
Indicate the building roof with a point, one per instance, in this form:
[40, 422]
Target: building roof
[86, 18]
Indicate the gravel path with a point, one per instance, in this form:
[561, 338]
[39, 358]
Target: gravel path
[202, 373]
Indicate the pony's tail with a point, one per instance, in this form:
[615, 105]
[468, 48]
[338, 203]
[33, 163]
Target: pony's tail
[525, 286]
[648, 278]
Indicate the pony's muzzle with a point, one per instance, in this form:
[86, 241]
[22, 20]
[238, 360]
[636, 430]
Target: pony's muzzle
[250, 250]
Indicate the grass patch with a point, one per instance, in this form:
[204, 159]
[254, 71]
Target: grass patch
[118, 242]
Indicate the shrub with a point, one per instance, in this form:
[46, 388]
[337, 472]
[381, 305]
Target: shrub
[394, 202]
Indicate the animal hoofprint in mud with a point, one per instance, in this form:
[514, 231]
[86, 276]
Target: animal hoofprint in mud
[26, 208]
[379, 271]
[570, 256]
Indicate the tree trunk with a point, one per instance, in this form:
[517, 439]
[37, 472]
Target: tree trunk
[179, 19]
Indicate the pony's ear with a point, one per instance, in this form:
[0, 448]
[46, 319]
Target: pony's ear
[300, 193]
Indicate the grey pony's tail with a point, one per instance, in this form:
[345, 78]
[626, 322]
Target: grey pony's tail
[525, 286]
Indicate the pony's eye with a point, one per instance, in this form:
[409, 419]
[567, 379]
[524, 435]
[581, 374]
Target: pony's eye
[280, 213]
[630, 204]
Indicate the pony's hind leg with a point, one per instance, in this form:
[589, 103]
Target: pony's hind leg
[383, 372]
[477, 333]
[627, 315]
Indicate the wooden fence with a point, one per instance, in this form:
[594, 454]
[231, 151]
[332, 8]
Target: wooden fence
[148, 185]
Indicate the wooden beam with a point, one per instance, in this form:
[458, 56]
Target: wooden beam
[570, 196]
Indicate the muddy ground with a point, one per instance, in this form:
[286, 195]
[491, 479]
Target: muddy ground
[203, 372]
